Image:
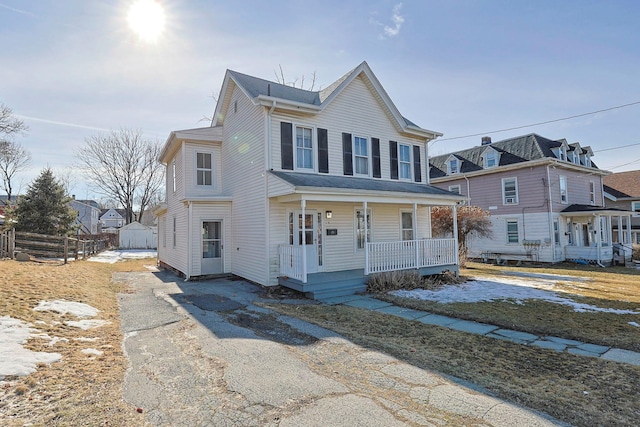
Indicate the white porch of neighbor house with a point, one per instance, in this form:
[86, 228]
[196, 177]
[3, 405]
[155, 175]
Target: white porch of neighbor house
[601, 237]
[317, 232]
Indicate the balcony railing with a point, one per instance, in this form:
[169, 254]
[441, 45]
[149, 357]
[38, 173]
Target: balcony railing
[410, 254]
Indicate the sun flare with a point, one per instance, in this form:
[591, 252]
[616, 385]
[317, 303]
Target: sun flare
[146, 19]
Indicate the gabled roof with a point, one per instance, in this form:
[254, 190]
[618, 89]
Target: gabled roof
[623, 184]
[268, 93]
[204, 134]
[512, 151]
[307, 180]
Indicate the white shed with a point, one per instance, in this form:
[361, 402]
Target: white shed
[138, 236]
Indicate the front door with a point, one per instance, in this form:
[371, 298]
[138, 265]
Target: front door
[211, 247]
[308, 226]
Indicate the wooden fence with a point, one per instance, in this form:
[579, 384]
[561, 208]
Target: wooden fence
[44, 246]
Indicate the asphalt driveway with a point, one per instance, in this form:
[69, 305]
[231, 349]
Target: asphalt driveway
[202, 354]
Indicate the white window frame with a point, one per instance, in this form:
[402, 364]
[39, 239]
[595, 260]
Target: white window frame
[356, 156]
[564, 191]
[592, 192]
[412, 229]
[556, 232]
[313, 148]
[451, 161]
[514, 198]
[204, 170]
[408, 162]
[512, 221]
[455, 187]
[356, 229]
[173, 174]
[493, 154]
[635, 208]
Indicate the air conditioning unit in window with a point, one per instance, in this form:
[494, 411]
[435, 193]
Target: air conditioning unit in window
[510, 200]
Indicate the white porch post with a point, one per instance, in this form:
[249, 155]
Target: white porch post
[366, 239]
[415, 233]
[628, 231]
[455, 232]
[303, 205]
[620, 236]
[598, 239]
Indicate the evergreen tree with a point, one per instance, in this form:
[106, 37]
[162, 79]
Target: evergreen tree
[45, 208]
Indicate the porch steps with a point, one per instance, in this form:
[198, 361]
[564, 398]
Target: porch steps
[321, 286]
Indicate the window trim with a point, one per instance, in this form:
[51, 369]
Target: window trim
[494, 154]
[635, 208]
[452, 187]
[409, 162]
[413, 225]
[504, 195]
[173, 174]
[355, 228]
[562, 182]
[556, 231]
[198, 169]
[354, 156]
[314, 148]
[512, 221]
[592, 192]
[457, 163]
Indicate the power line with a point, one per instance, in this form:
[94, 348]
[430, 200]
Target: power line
[615, 148]
[540, 123]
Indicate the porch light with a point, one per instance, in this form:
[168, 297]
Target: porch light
[329, 214]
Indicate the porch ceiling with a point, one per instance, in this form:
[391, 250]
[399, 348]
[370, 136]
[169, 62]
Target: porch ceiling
[351, 189]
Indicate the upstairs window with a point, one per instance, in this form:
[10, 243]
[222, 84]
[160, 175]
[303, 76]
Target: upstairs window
[510, 191]
[173, 175]
[592, 192]
[564, 197]
[404, 161]
[453, 166]
[635, 207]
[204, 171]
[360, 156]
[304, 148]
[490, 159]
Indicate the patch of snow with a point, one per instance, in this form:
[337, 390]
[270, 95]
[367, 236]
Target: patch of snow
[111, 257]
[635, 324]
[63, 307]
[55, 340]
[502, 289]
[86, 324]
[92, 351]
[14, 358]
[86, 339]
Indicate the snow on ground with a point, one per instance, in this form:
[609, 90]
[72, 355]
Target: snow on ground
[506, 288]
[14, 358]
[111, 257]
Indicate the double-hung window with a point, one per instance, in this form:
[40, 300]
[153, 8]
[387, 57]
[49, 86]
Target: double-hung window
[404, 161]
[452, 166]
[564, 197]
[406, 219]
[592, 192]
[204, 171]
[173, 175]
[510, 191]
[635, 207]
[360, 156]
[512, 231]
[304, 148]
[360, 228]
[490, 159]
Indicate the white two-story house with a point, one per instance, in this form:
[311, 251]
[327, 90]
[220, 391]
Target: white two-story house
[545, 198]
[314, 190]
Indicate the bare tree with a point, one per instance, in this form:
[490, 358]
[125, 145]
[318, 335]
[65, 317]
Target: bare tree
[123, 166]
[9, 124]
[13, 159]
[297, 82]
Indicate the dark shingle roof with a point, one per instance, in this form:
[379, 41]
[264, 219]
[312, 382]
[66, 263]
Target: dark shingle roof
[256, 86]
[351, 183]
[513, 150]
[589, 208]
[615, 193]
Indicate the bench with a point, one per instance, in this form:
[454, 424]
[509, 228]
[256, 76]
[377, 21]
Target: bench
[502, 257]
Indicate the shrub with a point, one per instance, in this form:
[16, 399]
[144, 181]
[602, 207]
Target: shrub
[636, 251]
[409, 279]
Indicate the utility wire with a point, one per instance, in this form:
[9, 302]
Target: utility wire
[540, 123]
[615, 148]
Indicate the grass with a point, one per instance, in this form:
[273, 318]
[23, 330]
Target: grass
[80, 389]
[617, 288]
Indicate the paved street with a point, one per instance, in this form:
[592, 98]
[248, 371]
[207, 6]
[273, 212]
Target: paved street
[202, 354]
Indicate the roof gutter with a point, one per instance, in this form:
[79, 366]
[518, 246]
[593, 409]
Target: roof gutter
[269, 101]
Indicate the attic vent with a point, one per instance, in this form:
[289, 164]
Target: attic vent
[486, 140]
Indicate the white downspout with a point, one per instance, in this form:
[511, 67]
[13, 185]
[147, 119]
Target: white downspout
[468, 190]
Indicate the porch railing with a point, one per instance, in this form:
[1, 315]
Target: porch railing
[410, 254]
[291, 262]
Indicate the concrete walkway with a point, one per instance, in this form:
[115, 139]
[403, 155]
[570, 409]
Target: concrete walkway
[204, 354]
[552, 343]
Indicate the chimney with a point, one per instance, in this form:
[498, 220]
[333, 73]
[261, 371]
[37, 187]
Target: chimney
[486, 140]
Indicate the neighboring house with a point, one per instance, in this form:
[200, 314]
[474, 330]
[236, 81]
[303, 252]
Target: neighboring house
[112, 219]
[137, 236]
[622, 191]
[312, 190]
[545, 198]
[88, 216]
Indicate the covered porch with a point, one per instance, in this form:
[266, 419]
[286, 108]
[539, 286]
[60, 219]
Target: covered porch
[598, 235]
[338, 237]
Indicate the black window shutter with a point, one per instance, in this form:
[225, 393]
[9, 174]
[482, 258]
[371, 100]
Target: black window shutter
[323, 151]
[347, 154]
[417, 170]
[375, 152]
[393, 154]
[286, 145]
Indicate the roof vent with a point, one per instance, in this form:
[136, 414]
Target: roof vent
[486, 140]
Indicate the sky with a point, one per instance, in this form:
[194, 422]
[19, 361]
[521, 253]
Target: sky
[73, 69]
